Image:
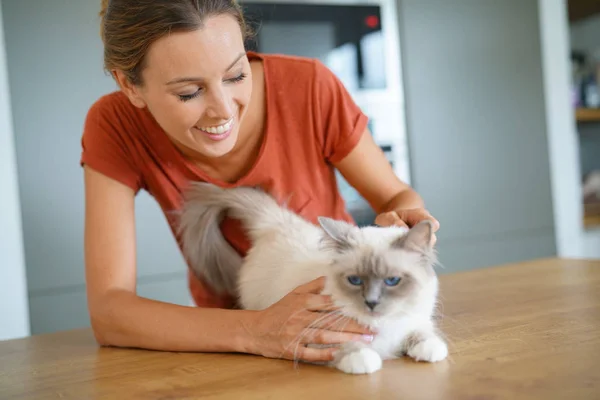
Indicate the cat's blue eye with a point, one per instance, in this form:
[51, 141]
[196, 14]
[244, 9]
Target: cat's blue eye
[355, 280]
[393, 281]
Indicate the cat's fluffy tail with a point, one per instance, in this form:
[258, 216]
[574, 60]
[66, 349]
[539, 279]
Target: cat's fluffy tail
[205, 206]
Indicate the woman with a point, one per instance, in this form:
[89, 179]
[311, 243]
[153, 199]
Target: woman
[194, 105]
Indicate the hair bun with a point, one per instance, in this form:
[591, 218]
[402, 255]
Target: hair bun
[103, 7]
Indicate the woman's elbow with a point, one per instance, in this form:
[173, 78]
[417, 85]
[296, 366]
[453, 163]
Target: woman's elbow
[102, 330]
[104, 323]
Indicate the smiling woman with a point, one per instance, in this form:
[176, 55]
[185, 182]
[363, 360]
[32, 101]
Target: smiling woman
[194, 100]
[194, 105]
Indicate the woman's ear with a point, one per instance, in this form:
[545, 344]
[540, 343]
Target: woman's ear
[129, 89]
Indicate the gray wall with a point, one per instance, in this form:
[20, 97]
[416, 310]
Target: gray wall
[14, 315]
[55, 67]
[475, 114]
[476, 122]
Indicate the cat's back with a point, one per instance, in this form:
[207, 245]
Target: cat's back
[279, 263]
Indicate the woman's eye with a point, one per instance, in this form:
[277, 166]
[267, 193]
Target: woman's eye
[238, 78]
[355, 280]
[186, 97]
[393, 281]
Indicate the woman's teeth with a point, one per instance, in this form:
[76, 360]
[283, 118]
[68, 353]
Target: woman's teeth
[218, 130]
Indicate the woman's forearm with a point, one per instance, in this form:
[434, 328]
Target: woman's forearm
[126, 320]
[405, 199]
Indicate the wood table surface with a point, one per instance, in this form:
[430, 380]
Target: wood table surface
[523, 331]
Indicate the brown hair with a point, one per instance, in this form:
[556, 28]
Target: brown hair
[129, 27]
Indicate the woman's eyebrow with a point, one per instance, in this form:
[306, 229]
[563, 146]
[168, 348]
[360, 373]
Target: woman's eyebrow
[198, 79]
[239, 56]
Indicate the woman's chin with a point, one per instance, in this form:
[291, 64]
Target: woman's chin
[212, 146]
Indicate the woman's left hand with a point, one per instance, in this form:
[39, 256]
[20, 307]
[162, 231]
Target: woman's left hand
[368, 170]
[407, 217]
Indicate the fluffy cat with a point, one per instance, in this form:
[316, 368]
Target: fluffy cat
[381, 277]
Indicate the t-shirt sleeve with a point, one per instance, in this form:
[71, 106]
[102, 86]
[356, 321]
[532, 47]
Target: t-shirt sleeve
[339, 121]
[105, 147]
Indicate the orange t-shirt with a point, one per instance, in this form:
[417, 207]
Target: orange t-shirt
[311, 121]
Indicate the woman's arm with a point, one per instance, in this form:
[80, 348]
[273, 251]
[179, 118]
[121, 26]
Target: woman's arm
[367, 169]
[121, 318]
[118, 316]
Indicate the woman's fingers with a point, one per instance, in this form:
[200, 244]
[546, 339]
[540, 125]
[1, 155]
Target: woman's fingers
[416, 215]
[315, 286]
[406, 218]
[306, 317]
[319, 302]
[335, 322]
[310, 354]
[324, 336]
[390, 218]
[327, 338]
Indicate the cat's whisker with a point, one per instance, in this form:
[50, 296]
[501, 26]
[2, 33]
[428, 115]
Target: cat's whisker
[335, 321]
[341, 318]
[299, 311]
[335, 318]
[288, 319]
[356, 261]
[298, 339]
[313, 324]
[325, 310]
[345, 324]
[342, 323]
[321, 320]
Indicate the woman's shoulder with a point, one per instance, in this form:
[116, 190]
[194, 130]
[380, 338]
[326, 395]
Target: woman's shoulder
[292, 68]
[114, 114]
[112, 105]
[284, 60]
[110, 139]
[303, 77]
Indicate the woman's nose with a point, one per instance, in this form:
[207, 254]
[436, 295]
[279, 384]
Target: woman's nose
[219, 105]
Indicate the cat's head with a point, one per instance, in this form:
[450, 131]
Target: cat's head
[381, 272]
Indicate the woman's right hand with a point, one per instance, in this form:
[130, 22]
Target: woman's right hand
[303, 317]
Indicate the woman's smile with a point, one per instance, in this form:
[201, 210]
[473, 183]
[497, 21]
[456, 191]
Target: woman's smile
[217, 132]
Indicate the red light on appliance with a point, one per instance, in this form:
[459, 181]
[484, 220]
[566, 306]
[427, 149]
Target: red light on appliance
[372, 21]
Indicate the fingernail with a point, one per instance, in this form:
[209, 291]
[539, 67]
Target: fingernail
[367, 338]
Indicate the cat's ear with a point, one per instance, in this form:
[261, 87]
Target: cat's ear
[338, 234]
[419, 238]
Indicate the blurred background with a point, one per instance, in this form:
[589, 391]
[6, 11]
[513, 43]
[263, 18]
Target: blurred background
[490, 109]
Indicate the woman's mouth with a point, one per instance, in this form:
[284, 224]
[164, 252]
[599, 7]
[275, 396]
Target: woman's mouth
[219, 132]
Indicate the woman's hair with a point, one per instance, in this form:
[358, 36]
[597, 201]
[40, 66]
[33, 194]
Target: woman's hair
[129, 27]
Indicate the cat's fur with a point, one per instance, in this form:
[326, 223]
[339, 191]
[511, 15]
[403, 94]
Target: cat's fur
[288, 251]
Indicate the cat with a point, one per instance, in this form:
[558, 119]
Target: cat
[383, 277]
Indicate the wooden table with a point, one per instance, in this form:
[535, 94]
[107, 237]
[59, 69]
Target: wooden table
[528, 330]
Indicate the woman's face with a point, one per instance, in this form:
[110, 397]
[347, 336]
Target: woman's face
[197, 85]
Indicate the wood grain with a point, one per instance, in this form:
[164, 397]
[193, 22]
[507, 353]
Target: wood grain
[523, 331]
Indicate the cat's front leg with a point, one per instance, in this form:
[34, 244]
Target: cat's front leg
[425, 345]
[357, 358]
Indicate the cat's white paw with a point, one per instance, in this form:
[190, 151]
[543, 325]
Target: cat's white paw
[432, 350]
[363, 361]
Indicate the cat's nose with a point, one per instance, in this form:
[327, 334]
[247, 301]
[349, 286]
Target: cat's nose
[371, 304]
